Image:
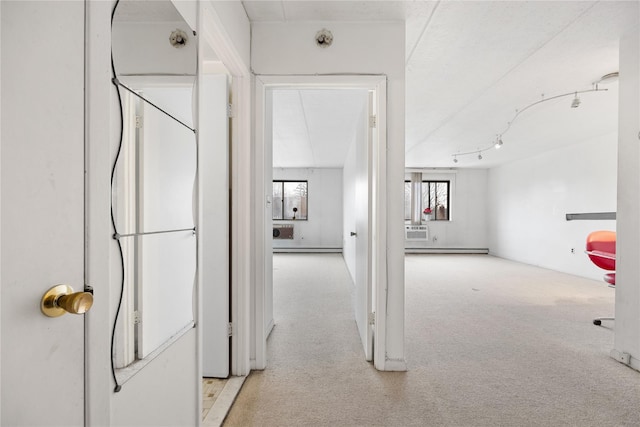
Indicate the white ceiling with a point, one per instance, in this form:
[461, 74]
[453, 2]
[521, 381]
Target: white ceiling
[470, 66]
[147, 11]
[315, 127]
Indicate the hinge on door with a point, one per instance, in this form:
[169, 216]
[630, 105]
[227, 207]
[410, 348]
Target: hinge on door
[372, 318]
[137, 319]
[230, 110]
[230, 329]
[373, 121]
[138, 122]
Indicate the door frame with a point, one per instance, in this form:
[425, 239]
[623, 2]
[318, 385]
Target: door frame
[100, 98]
[262, 165]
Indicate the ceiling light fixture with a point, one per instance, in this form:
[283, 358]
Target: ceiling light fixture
[576, 101]
[574, 104]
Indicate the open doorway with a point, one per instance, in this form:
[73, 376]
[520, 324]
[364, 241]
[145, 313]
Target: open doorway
[318, 138]
[321, 178]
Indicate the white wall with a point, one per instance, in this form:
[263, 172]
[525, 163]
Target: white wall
[323, 228]
[468, 226]
[236, 27]
[358, 48]
[627, 330]
[528, 200]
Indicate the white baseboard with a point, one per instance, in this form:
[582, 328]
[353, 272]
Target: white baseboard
[625, 359]
[483, 251]
[306, 250]
[270, 327]
[395, 365]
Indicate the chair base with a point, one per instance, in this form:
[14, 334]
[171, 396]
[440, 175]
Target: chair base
[598, 321]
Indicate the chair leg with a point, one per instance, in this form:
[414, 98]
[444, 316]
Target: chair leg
[598, 320]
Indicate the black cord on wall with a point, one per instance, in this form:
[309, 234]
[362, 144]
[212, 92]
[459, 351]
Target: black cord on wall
[118, 387]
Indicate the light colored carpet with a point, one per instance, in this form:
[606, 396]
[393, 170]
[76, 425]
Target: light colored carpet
[489, 342]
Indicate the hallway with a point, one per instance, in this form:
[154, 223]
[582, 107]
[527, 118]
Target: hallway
[489, 342]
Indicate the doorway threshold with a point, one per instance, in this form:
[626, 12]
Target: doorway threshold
[223, 402]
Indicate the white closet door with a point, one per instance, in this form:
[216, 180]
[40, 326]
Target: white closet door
[213, 140]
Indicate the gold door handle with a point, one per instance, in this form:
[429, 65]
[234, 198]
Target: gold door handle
[61, 299]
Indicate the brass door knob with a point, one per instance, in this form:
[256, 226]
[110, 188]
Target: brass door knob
[61, 299]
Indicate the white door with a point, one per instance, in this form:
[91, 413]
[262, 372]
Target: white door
[213, 158]
[363, 211]
[42, 233]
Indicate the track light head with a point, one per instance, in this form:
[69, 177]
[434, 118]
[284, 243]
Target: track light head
[479, 156]
[455, 159]
[576, 101]
[498, 143]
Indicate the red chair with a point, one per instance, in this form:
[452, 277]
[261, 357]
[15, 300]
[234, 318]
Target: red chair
[601, 249]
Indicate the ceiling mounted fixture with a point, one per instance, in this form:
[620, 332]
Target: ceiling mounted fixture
[576, 101]
[178, 38]
[574, 104]
[324, 38]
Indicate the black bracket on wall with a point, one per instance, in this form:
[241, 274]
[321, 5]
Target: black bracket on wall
[590, 215]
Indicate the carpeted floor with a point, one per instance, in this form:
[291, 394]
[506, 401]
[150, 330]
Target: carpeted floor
[489, 342]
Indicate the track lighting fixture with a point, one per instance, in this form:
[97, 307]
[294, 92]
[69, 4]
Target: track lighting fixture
[576, 101]
[574, 104]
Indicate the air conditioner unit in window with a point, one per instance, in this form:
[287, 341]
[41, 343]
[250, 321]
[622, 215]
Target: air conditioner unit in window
[283, 231]
[416, 232]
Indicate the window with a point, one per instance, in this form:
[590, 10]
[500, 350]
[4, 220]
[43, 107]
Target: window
[289, 200]
[435, 195]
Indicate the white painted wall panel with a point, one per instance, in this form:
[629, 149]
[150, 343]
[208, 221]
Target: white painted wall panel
[528, 200]
[323, 229]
